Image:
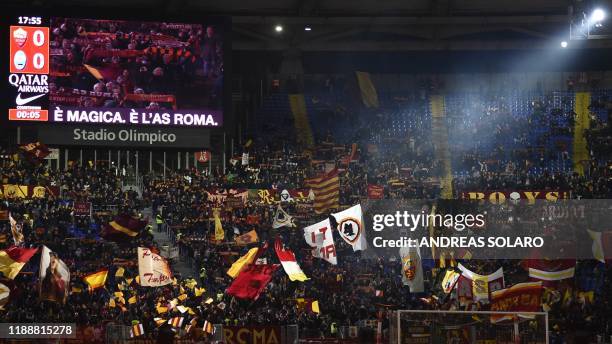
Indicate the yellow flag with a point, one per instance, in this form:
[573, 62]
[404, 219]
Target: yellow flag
[138, 279]
[111, 303]
[209, 301]
[182, 297]
[129, 280]
[118, 294]
[120, 271]
[369, 96]
[132, 300]
[161, 309]
[315, 307]
[76, 290]
[199, 291]
[242, 262]
[219, 232]
[190, 311]
[191, 283]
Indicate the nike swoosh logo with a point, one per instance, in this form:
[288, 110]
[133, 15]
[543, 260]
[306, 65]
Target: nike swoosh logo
[23, 101]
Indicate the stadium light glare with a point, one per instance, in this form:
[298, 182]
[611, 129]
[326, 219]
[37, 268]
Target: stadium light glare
[564, 44]
[307, 28]
[278, 28]
[598, 15]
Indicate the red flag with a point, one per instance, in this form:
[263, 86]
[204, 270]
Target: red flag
[252, 281]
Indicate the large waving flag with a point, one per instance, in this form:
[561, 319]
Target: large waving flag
[97, 279]
[252, 281]
[123, 225]
[242, 262]
[153, 269]
[54, 277]
[326, 191]
[320, 237]
[13, 259]
[351, 227]
[290, 265]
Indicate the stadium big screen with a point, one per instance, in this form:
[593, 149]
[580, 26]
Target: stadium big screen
[85, 74]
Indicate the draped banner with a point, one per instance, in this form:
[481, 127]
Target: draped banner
[369, 96]
[153, 269]
[474, 287]
[521, 297]
[8, 191]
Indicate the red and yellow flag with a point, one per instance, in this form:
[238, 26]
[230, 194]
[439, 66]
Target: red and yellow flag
[13, 259]
[96, 280]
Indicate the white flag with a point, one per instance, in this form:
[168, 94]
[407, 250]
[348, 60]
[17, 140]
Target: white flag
[282, 219]
[320, 237]
[412, 269]
[153, 269]
[245, 159]
[352, 228]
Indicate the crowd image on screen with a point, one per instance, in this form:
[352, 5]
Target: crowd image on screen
[121, 64]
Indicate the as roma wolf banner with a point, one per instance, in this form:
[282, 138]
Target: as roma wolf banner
[320, 237]
[475, 287]
[252, 281]
[351, 227]
[412, 269]
[521, 297]
[153, 269]
[54, 277]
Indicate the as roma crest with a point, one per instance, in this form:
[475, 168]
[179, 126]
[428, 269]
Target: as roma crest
[350, 229]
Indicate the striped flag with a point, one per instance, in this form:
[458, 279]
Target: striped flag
[208, 327]
[13, 259]
[326, 190]
[176, 321]
[287, 259]
[137, 330]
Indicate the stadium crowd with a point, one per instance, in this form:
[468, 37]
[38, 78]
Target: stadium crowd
[182, 205]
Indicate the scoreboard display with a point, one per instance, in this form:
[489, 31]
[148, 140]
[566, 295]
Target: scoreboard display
[84, 71]
[29, 70]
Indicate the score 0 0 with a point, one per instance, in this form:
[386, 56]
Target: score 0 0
[29, 49]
